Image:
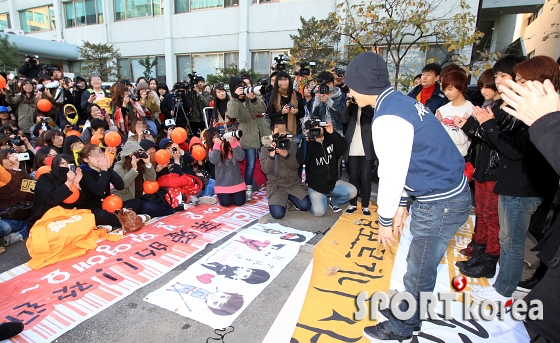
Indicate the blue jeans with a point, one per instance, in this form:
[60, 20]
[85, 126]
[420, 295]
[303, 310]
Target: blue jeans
[342, 192]
[8, 226]
[432, 225]
[208, 190]
[278, 211]
[515, 214]
[156, 210]
[250, 160]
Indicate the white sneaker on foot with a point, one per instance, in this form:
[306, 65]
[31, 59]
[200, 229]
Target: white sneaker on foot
[207, 200]
[482, 293]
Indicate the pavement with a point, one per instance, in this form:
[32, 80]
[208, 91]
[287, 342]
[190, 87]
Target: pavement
[134, 320]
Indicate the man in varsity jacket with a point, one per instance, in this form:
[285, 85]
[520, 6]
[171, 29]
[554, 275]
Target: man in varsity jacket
[417, 159]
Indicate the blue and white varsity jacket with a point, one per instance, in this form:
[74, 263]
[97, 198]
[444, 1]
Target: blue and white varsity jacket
[417, 158]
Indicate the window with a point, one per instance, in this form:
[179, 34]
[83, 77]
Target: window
[75, 67]
[534, 16]
[128, 9]
[264, 1]
[130, 68]
[183, 67]
[38, 19]
[5, 21]
[262, 61]
[231, 58]
[182, 6]
[83, 12]
[204, 64]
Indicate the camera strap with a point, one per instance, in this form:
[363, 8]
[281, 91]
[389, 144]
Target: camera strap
[251, 111]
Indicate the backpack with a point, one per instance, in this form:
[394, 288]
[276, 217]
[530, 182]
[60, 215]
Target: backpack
[179, 185]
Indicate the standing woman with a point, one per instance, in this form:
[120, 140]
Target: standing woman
[221, 100]
[249, 112]
[286, 103]
[94, 93]
[229, 185]
[27, 104]
[360, 153]
[97, 177]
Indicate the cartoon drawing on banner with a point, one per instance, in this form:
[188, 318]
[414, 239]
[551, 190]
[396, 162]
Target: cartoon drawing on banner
[248, 275]
[285, 233]
[294, 237]
[269, 250]
[253, 243]
[220, 303]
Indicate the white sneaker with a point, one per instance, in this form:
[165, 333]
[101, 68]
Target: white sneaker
[482, 293]
[207, 200]
[12, 238]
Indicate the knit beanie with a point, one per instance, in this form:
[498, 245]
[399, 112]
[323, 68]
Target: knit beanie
[367, 74]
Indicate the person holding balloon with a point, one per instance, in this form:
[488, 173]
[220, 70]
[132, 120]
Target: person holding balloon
[135, 168]
[14, 229]
[98, 175]
[59, 187]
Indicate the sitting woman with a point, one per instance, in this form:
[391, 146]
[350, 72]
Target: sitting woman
[53, 188]
[43, 157]
[54, 139]
[97, 177]
[72, 146]
[230, 185]
[16, 192]
[134, 170]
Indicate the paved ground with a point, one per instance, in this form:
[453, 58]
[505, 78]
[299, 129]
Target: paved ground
[134, 320]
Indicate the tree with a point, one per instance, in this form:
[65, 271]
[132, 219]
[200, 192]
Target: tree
[148, 65]
[232, 70]
[8, 55]
[400, 27]
[100, 58]
[316, 41]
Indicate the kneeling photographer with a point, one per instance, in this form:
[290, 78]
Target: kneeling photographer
[319, 156]
[279, 163]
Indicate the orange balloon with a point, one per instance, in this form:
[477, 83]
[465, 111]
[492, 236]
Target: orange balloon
[112, 203]
[73, 133]
[41, 171]
[113, 139]
[150, 187]
[74, 196]
[178, 135]
[44, 105]
[198, 152]
[2, 82]
[194, 141]
[96, 139]
[162, 157]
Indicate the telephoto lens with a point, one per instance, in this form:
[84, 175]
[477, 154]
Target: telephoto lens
[237, 134]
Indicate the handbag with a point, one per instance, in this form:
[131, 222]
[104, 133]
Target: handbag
[129, 220]
[19, 211]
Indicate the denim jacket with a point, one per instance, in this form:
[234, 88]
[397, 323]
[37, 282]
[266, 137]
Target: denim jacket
[332, 109]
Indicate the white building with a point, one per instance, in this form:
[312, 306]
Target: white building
[184, 34]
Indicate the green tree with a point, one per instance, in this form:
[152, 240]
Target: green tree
[224, 74]
[316, 41]
[100, 58]
[148, 65]
[8, 55]
[400, 27]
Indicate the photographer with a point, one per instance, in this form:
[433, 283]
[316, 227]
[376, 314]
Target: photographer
[319, 155]
[281, 168]
[249, 115]
[150, 106]
[221, 99]
[330, 102]
[52, 92]
[176, 105]
[31, 68]
[200, 99]
[286, 103]
[15, 140]
[338, 75]
[26, 102]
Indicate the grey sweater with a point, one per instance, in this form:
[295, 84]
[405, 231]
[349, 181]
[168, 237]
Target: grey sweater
[228, 175]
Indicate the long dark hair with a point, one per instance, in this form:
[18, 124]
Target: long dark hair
[120, 90]
[163, 85]
[220, 105]
[55, 167]
[67, 146]
[24, 98]
[127, 164]
[88, 111]
[150, 81]
[275, 93]
[40, 156]
[209, 140]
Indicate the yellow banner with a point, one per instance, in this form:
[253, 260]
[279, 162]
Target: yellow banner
[347, 261]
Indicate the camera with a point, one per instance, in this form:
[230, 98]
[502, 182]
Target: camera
[323, 87]
[313, 128]
[257, 90]
[174, 149]
[132, 97]
[146, 132]
[290, 105]
[338, 71]
[33, 59]
[237, 134]
[49, 70]
[140, 154]
[305, 68]
[280, 62]
[282, 141]
[17, 141]
[264, 87]
[50, 85]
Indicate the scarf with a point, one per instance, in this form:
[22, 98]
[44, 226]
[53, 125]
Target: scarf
[279, 103]
[71, 121]
[426, 93]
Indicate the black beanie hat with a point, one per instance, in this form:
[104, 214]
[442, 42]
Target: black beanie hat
[367, 74]
[233, 82]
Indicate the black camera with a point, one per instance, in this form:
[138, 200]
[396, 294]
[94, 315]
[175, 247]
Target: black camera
[323, 87]
[140, 154]
[263, 87]
[282, 141]
[280, 62]
[33, 59]
[48, 70]
[338, 71]
[132, 97]
[313, 128]
[17, 141]
[174, 149]
[305, 68]
[146, 132]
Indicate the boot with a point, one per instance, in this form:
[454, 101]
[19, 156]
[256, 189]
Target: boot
[249, 193]
[486, 267]
[468, 250]
[478, 250]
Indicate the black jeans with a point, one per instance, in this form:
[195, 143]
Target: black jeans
[359, 172]
[228, 199]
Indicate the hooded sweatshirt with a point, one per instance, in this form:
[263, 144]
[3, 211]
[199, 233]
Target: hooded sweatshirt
[129, 176]
[76, 122]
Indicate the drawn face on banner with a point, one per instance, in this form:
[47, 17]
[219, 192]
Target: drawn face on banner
[224, 304]
[270, 249]
[242, 273]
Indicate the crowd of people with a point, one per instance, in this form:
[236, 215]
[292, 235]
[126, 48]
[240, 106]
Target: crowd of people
[427, 147]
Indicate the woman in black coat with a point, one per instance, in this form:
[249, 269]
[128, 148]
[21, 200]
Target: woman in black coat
[53, 188]
[360, 154]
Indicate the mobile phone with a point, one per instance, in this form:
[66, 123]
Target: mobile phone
[72, 167]
[24, 156]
